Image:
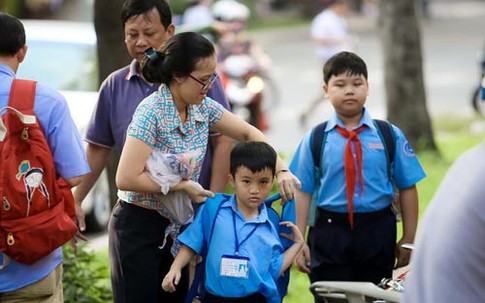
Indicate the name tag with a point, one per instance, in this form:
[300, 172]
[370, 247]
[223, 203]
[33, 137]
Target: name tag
[376, 145]
[234, 266]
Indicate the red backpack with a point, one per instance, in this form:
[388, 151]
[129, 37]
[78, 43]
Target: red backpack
[37, 208]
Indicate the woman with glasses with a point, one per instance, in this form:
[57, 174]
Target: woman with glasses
[176, 120]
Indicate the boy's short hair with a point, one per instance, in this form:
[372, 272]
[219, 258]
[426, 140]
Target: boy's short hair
[344, 62]
[256, 156]
[12, 35]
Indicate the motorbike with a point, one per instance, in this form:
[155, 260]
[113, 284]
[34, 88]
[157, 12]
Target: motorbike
[245, 88]
[478, 95]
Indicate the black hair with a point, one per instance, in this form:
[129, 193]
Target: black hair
[178, 57]
[12, 35]
[133, 8]
[344, 62]
[254, 155]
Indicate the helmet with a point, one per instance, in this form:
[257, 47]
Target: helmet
[230, 10]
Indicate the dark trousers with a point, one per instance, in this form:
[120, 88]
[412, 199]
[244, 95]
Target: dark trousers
[138, 265]
[365, 253]
[255, 298]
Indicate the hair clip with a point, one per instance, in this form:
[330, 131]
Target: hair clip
[151, 54]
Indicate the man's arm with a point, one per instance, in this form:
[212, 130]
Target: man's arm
[410, 211]
[221, 148]
[97, 157]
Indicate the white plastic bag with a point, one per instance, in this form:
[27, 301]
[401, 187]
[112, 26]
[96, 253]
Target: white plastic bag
[168, 170]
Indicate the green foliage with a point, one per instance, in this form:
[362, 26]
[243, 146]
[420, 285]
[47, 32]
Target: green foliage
[178, 6]
[86, 279]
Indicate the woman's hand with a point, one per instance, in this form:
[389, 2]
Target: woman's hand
[287, 183]
[196, 192]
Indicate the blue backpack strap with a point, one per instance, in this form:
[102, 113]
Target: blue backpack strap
[211, 210]
[288, 213]
[387, 136]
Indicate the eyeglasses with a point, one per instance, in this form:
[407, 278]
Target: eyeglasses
[208, 83]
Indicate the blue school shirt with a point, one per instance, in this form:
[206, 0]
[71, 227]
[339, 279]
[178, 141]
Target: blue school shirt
[378, 189]
[69, 159]
[263, 249]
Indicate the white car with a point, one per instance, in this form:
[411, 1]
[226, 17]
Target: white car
[62, 54]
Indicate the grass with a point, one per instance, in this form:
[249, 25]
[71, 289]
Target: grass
[453, 137]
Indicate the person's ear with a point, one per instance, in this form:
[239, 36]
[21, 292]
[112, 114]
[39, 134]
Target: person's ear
[230, 178]
[170, 31]
[178, 79]
[325, 90]
[21, 53]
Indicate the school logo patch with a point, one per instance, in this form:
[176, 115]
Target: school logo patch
[407, 149]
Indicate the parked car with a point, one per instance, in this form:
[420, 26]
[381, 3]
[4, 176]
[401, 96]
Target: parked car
[62, 54]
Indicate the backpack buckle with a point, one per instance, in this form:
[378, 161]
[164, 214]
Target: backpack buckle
[26, 119]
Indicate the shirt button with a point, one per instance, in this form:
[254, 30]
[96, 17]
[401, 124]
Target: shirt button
[329, 220]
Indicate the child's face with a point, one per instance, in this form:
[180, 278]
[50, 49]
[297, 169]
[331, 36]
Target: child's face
[251, 188]
[347, 93]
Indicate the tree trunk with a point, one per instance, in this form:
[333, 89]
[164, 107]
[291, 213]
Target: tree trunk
[112, 55]
[403, 72]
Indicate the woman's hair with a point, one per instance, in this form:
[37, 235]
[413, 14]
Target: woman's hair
[132, 8]
[254, 155]
[178, 57]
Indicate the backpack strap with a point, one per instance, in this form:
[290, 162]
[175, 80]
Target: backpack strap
[387, 136]
[211, 208]
[288, 213]
[22, 95]
[385, 131]
[21, 102]
[317, 140]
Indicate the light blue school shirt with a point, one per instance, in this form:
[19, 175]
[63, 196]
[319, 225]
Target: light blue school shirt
[69, 159]
[378, 189]
[263, 248]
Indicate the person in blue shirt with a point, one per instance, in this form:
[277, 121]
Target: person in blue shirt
[354, 236]
[40, 282]
[241, 237]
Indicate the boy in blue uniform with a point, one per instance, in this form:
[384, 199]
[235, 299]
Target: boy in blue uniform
[354, 236]
[244, 254]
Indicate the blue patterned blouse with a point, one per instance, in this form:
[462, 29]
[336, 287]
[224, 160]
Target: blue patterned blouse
[157, 123]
